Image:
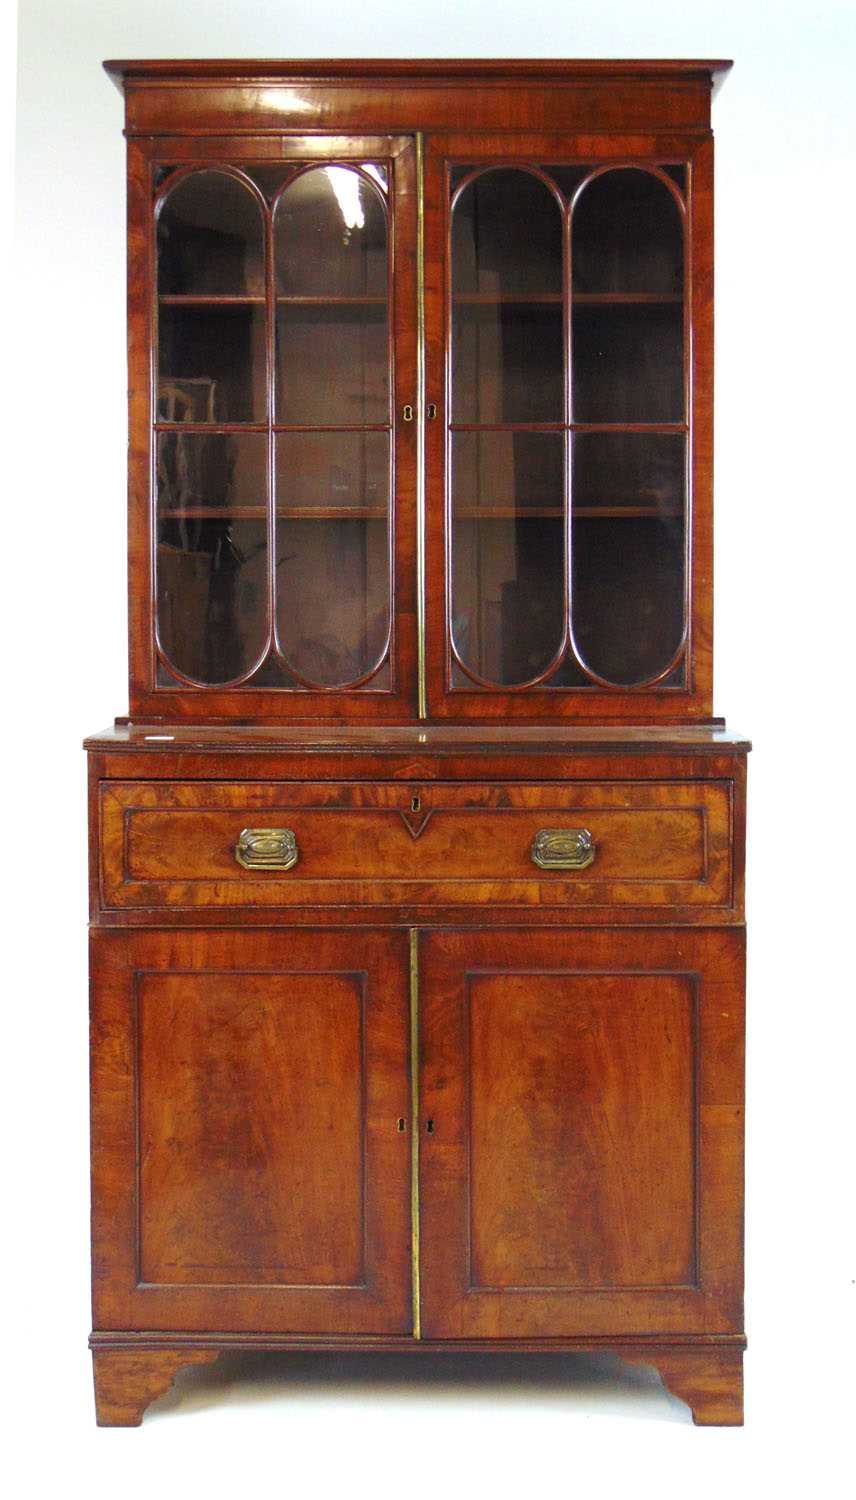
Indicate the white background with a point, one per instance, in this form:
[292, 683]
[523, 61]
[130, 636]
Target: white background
[785, 585]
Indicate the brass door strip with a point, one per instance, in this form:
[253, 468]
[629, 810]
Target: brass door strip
[420, 430]
[414, 1133]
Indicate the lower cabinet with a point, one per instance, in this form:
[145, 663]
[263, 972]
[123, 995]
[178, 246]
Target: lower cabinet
[576, 1171]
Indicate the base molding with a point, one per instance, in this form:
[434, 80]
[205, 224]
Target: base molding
[132, 1369]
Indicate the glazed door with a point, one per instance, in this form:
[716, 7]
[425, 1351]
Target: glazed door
[581, 1138]
[251, 1149]
[568, 381]
[273, 463]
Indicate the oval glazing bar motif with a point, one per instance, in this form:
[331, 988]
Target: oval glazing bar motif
[273, 559]
[568, 431]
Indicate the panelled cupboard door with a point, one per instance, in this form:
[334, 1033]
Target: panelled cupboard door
[581, 1152]
[568, 330]
[251, 1156]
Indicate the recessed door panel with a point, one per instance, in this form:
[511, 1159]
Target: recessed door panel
[582, 1170]
[250, 1169]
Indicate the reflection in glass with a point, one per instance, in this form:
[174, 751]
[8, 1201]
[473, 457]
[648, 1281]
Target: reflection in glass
[627, 235]
[211, 363]
[330, 236]
[211, 595]
[332, 597]
[628, 552]
[211, 560]
[507, 592]
[210, 240]
[333, 568]
[508, 552]
[332, 326]
[211, 471]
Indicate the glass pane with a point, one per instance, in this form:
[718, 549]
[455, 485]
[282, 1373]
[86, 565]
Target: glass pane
[212, 583]
[332, 328]
[628, 552]
[508, 579]
[332, 363]
[628, 471]
[210, 240]
[330, 236]
[212, 471]
[496, 471]
[507, 363]
[507, 319]
[332, 596]
[211, 363]
[341, 471]
[627, 235]
[678, 175]
[507, 236]
[333, 568]
[628, 363]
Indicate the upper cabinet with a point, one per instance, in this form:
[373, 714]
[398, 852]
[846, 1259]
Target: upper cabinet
[420, 423]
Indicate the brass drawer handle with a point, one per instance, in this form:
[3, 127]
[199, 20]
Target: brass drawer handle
[266, 849]
[563, 848]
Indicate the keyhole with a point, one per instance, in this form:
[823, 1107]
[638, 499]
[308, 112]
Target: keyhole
[429, 1126]
[402, 1124]
[415, 803]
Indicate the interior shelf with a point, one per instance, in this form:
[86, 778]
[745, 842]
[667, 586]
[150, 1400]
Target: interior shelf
[212, 299]
[288, 512]
[548, 299]
[379, 513]
[204, 299]
[628, 299]
[349, 301]
[556, 512]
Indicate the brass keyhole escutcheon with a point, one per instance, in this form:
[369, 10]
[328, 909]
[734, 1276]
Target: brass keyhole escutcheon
[407, 413]
[415, 803]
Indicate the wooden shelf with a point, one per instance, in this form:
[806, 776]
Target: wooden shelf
[627, 299]
[379, 513]
[550, 299]
[288, 512]
[491, 299]
[203, 299]
[356, 301]
[625, 512]
[556, 512]
[676, 429]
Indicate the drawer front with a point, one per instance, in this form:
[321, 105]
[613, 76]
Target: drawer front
[286, 844]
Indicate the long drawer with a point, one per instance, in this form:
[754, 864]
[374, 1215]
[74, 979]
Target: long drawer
[195, 844]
